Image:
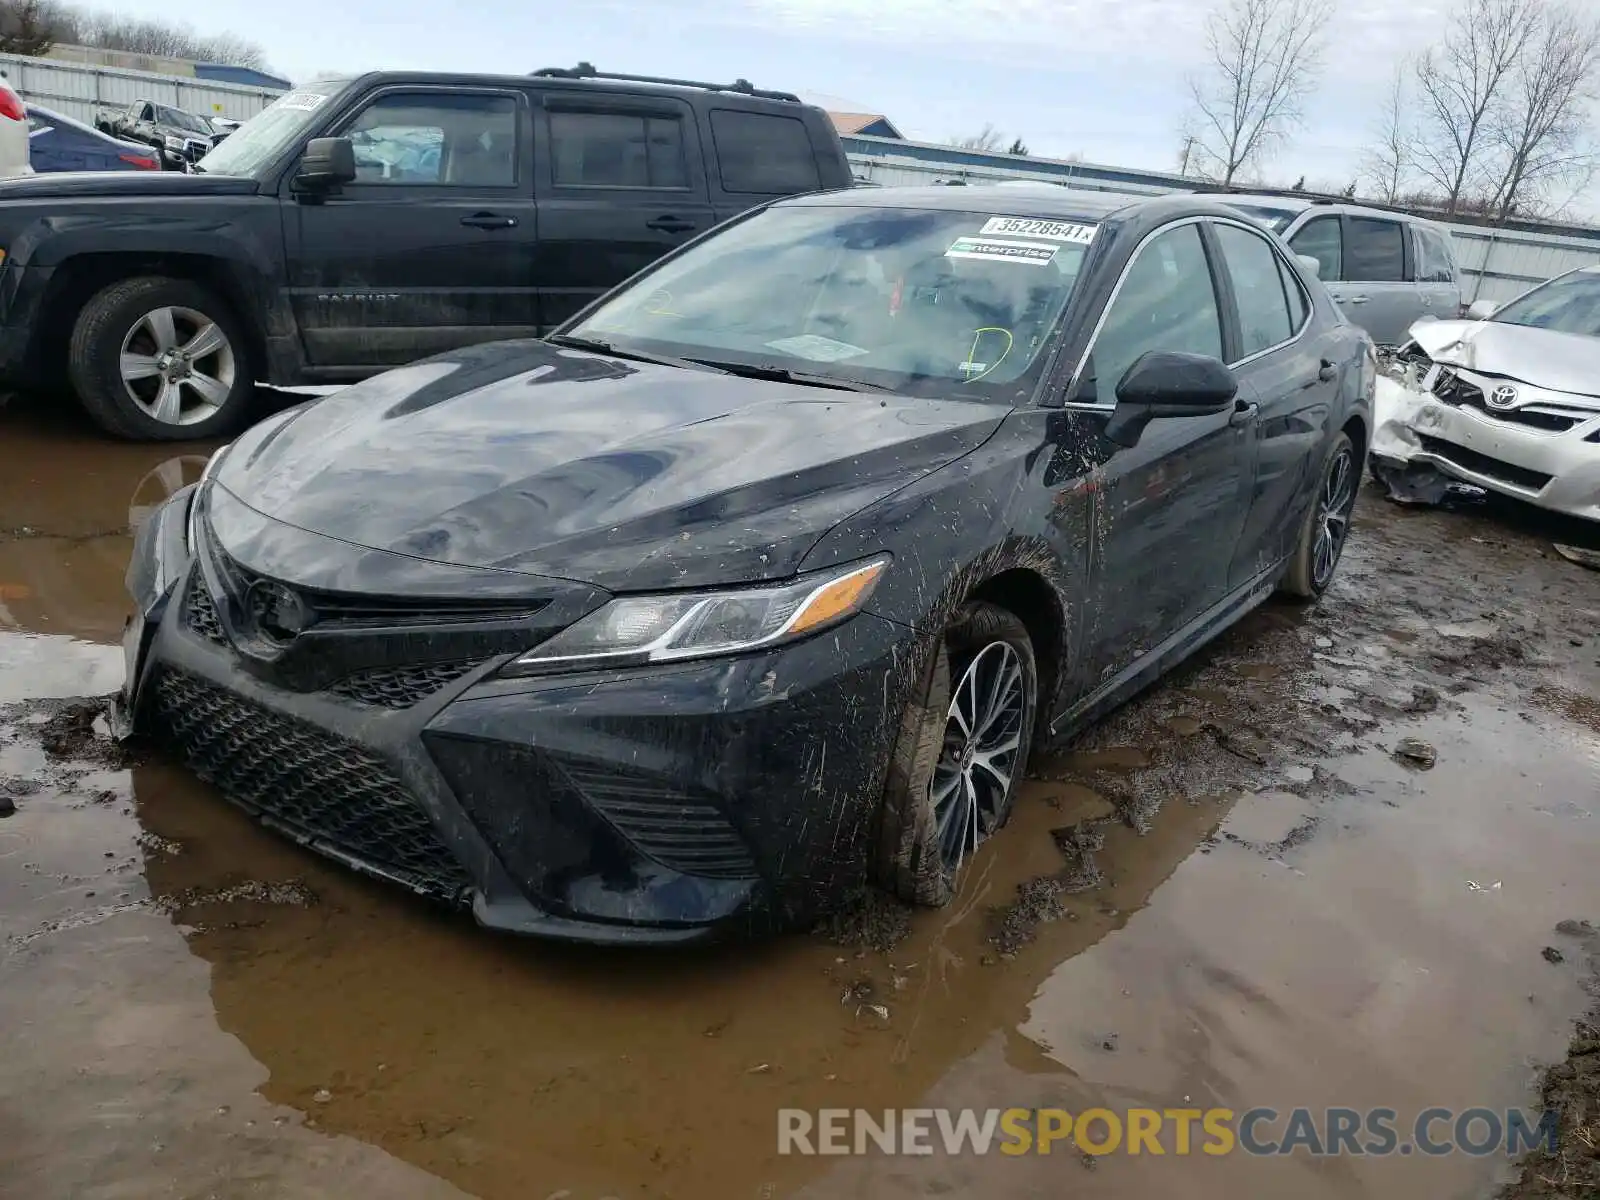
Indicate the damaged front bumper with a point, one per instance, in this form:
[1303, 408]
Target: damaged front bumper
[1545, 450]
[659, 804]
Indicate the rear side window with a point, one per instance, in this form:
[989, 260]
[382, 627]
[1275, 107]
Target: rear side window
[616, 149]
[1322, 240]
[1374, 251]
[1264, 319]
[1294, 292]
[763, 153]
[1435, 264]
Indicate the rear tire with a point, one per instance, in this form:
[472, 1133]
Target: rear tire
[155, 359]
[1326, 527]
[947, 792]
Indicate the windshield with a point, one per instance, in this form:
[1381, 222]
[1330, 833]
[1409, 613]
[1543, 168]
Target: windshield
[179, 119]
[1275, 219]
[1570, 304]
[927, 302]
[261, 139]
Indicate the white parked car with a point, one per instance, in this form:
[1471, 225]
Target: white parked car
[13, 134]
[1513, 398]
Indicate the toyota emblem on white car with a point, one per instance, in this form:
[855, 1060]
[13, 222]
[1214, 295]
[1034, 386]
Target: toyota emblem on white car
[1503, 397]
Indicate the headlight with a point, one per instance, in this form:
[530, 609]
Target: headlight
[194, 496]
[174, 143]
[635, 630]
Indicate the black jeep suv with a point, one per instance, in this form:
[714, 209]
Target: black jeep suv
[358, 224]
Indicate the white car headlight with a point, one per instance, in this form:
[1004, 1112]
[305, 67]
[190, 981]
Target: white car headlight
[635, 630]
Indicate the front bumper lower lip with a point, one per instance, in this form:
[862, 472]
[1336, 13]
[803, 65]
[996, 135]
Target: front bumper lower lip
[1570, 460]
[664, 804]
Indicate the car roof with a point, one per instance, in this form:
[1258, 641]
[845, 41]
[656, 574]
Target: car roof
[1298, 205]
[723, 97]
[1060, 203]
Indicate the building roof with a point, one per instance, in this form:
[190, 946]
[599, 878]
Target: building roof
[872, 124]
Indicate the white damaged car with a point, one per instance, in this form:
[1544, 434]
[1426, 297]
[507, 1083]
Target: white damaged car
[1511, 399]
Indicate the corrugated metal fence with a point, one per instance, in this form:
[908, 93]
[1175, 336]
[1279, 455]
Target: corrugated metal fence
[1497, 264]
[82, 89]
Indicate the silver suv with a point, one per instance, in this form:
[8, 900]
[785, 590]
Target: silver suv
[1385, 269]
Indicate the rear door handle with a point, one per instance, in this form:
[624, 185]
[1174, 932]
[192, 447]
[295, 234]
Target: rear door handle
[1327, 370]
[1244, 411]
[489, 220]
[1354, 300]
[670, 225]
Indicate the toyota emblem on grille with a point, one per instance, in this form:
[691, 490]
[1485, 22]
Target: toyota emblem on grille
[1503, 397]
[276, 611]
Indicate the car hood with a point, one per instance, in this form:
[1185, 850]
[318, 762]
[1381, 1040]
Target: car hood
[1557, 362]
[67, 184]
[523, 457]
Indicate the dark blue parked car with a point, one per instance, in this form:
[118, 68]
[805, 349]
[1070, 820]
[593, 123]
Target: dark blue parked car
[56, 142]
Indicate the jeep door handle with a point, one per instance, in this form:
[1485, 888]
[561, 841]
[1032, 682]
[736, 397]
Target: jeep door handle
[670, 225]
[1244, 411]
[489, 220]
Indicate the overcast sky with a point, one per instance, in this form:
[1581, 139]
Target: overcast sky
[1099, 78]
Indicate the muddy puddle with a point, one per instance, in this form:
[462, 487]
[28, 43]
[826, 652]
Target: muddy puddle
[1242, 890]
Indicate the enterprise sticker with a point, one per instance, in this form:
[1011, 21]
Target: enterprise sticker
[996, 249]
[1055, 231]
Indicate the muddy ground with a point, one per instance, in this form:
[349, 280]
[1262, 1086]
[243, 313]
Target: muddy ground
[1325, 864]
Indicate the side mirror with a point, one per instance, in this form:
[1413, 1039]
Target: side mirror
[1314, 265]
[1169, 383]
[327, 163]
[1481, 310]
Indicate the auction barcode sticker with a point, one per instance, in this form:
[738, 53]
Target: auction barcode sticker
[996, 249]
[1056, 231]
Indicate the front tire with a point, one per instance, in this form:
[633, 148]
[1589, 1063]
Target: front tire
[1326, 527]
[155, 359]
[960, 754]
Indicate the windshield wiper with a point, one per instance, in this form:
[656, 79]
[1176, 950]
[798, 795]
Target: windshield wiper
[596, 346]
[785, 375]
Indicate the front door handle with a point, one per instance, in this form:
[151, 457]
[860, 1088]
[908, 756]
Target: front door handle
[489, 220]
[1244, 411]
[670, 225]
[1327, 371]
[1354, 300]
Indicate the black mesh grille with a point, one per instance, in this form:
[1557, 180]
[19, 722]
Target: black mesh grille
[1483, 464]
[399, 687]
[677, 831]
[321, 789]
[199, 613]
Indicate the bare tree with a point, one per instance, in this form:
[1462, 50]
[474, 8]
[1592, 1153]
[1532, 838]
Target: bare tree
[1388, 163]
[1460, 82]
[166, 39]
[1541, 132]
[33, 26]
[1265, 59]
[987, 140]
[1018, 147]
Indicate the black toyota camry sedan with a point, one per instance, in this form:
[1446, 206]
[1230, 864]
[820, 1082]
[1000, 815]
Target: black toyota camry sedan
[762, 577]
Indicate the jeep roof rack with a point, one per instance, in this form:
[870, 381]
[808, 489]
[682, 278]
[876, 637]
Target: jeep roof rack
[587, 71]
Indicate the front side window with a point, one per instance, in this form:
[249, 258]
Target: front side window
[923, 301]
[616, 149]
[763, 154]
[1167, 301]
[1264, 317]
[1375, 251]
[436, 139]
[1569, 304]
[1323, 240]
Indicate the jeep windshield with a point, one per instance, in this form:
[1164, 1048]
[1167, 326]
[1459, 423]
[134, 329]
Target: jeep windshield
[927, 302]
[260, 140]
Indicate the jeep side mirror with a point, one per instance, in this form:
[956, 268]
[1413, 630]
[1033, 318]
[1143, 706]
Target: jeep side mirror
[326, 163]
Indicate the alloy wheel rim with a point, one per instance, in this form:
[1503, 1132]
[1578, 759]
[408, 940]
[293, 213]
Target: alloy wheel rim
[1333, 516]
[982, 740]
[177, 365]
